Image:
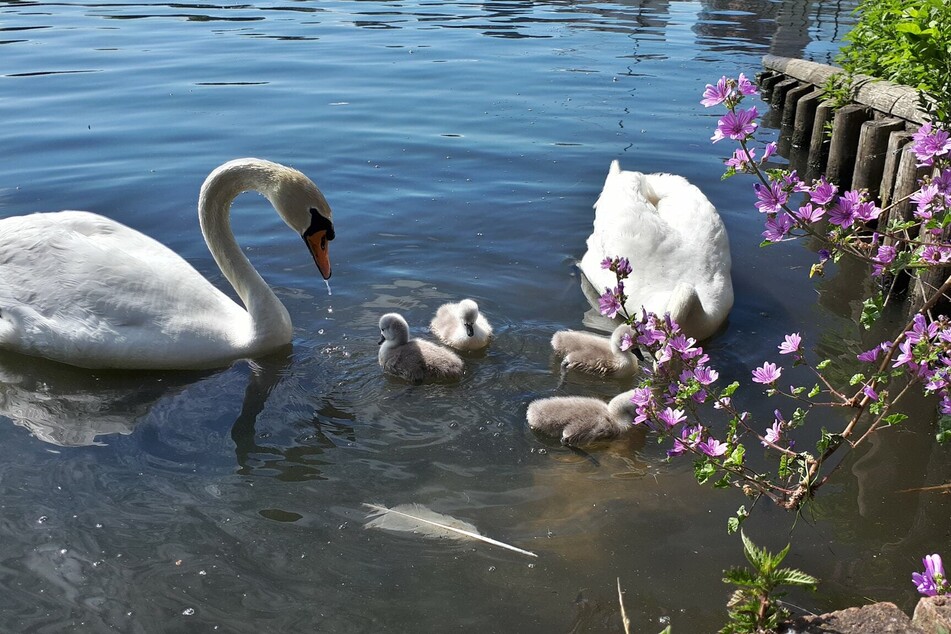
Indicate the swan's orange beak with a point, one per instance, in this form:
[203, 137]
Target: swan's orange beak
[319, 247]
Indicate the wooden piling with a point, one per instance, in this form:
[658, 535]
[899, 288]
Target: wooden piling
[805, 116]
[843, 146]
[788, 119]
[896, 145]
[872, 152]
[819, 142]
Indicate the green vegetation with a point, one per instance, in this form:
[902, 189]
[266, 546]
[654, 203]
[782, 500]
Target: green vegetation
[907, 42]
[754, 606]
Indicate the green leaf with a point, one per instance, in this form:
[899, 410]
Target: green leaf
[814, 392]
[791, 577]
[944, 429]
[857, 378]
[704, 470]
[894, 419]
[740, 577]
[822, 365]
[733, 524]
[736, 457]
[730, 389]
[871, 310]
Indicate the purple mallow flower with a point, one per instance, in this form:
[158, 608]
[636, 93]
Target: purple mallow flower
[809, 214]
[775, 432]
[627, 342]
[777, 227]
[609, 304]
[712, 447]
[770, 199]
[671, 417]
[823, 192]
[745, 86]
[741, 158]
[767, 374]
[929, 143]
[933, 580]
[791, 345]
[715, 95]
[736, 125]
[885, 256]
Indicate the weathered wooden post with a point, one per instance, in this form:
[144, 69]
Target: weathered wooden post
[843, 146]
[819, 142]
[788, 120]
[872, 152]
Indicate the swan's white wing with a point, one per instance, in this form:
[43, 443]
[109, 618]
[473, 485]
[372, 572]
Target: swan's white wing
[78, 287]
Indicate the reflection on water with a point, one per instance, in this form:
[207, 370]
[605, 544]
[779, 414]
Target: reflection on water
[461, 145]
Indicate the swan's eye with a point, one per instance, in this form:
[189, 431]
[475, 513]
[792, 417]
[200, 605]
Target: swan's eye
[319, 223]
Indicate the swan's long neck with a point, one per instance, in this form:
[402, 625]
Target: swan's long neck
[270, 322]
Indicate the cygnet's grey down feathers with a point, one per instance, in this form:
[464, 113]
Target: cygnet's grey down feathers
[593, 353]
[461, 326]
[579, 420]
[415, 360]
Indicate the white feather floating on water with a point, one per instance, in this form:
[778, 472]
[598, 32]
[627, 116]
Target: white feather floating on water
[418, 519]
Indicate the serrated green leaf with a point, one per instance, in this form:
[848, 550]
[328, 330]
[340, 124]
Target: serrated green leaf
[792, 577]
[895, 419]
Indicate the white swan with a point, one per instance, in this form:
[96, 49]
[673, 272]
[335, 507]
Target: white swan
[415, 360]
[461, 326]
[595, 354]
[676, 243]
[85, 290]
[579, 420]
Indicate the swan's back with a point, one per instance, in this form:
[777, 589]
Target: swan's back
[86, 290]
[579, 420]
[420, 361]
[673, 237]
[415, 360]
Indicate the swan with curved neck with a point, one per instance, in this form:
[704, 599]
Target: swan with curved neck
[86, 290]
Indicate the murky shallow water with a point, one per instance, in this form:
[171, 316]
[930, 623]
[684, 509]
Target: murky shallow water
[461, 146]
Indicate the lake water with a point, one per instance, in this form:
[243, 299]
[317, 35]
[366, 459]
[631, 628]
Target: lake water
[461, 146]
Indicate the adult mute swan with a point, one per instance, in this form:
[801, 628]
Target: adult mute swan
[415, 360]
[85, 290]
[461, 326]
[675, 242]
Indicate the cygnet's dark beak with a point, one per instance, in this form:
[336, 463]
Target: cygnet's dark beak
[318, 235]
[469, 329]
[382, 339]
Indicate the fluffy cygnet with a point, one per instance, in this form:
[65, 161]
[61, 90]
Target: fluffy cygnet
[415, 360]
[581, 419]
[462, 326]
[596, 354]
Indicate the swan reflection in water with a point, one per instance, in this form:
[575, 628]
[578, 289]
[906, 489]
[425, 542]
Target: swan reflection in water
[73, 407]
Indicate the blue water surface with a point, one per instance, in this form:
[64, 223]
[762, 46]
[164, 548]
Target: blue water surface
[461, 146]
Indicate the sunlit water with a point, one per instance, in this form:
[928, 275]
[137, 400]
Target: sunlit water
[461, 146]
